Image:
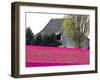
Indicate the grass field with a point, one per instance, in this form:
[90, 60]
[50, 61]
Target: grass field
[53, 56]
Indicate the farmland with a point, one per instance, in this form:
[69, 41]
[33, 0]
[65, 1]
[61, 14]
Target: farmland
[53, 56]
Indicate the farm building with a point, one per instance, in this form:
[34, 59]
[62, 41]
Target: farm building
[55, 26]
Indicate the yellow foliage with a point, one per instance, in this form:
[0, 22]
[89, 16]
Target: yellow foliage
[66, 26]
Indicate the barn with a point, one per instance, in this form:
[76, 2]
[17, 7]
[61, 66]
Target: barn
[55, 26]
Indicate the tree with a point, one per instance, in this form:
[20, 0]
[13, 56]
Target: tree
[54, 41]
[76, 26]
[50, 40]
[46, 40]
[38, 40]
[29, 37]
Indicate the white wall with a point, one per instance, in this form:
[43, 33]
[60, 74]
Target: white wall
[5, 40]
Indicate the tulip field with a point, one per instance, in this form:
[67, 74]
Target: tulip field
[38, 56]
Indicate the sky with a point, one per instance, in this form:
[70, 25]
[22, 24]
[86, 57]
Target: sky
[37, 21]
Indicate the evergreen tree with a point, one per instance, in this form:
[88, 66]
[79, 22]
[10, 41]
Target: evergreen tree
[38, 40]
[46, 41]
[29, 37]
[50, 40]
[54, 41]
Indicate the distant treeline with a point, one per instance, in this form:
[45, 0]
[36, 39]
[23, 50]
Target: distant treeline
[41, 40]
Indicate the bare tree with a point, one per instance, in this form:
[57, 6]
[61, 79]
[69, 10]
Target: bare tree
[77, 26]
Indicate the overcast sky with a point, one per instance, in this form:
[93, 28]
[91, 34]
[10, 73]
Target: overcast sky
[37, 21]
